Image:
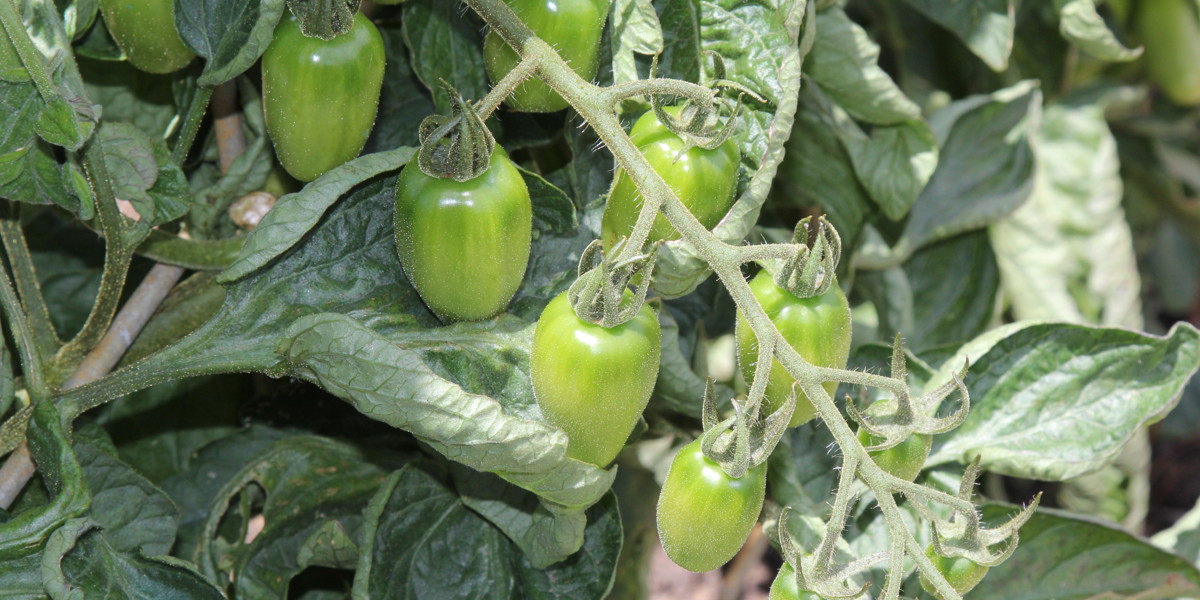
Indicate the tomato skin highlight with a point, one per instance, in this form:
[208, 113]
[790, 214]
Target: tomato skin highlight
[962, 573]
[1170, 32]
[705, 180]
[145, 31]
[320, 97]
[818, 328]
[704, 515]
[572, 27]
[464, 246]
[784, 586]
[591, 381]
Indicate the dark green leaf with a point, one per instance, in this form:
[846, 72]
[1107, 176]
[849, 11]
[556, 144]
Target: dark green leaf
[419, 503]
[986, 167]
[403, 102]
[1052, 401]
[230, 34]
[553, 211]
[295, 214]
[1102, 560]
[954, 284]
[444, 44]
[985, 26]
[103, 572]
[28, 169]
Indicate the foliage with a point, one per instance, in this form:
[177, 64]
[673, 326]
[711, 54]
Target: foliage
[1012, 194]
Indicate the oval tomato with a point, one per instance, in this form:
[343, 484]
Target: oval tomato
[145, 31]
[464, 246]
[784, 586]
[594, 382]
[818, 328]
[321, 97]
[704, 515]
[904, 460]
[704, 180]
[1170, 31]
[572, 27]
[962, 573]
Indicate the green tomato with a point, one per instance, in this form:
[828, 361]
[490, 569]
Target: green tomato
[321, 97]
[1170, 32]
[594, 382]
[784, 587]
[904, 460]
[464, 246]
[962, 573]
[572, 27]
[704, 180]
[704, 515]
[818, 328]
[145, 31]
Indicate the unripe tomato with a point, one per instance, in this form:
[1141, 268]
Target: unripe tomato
[818, 328]
[321, 97]
[1170, 32]
[145, 31]
[464, 246]
[784, 586]
[904, 460]
[704, 515]
[594, 382]
[572, 27]
[962, 573]
[704, 180]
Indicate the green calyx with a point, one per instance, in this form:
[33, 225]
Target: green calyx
[812, 269]
[458, 146]
[324, 19]
[599, 294]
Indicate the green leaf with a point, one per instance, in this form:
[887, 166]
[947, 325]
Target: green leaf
[818, 170]
[68, 117]
[390, 382]
[403, 103]
[954, 285]
[986, 167]
[325, 19]
[132, 167]
[135, 515]
[59, 469]
[844, 62]
[1183, 538]
[761, 50]
[553, 211]
[1102, 559]
[28, 169]
[102, 572]
[309, 482]
[443, 44]
[130, 95]
[21, 577]
[1067, 254]
[1053, 401]
[418, 503]
[295, 214]
[634, 29]
[230, 34]
[1083, 26]
[985, 26]
[893, 164]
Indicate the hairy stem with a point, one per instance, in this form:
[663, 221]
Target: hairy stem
[28, 288]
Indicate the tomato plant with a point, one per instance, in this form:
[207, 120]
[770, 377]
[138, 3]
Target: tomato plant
[464, 245]
[592, 381]
[704, 179]
[818, 328]
[962, 573]
[1170, 31]
[321, 97]
[371, 381]
[784, 586]
[903, 460]
[704, 515]
[145, 31]
[572, 27]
